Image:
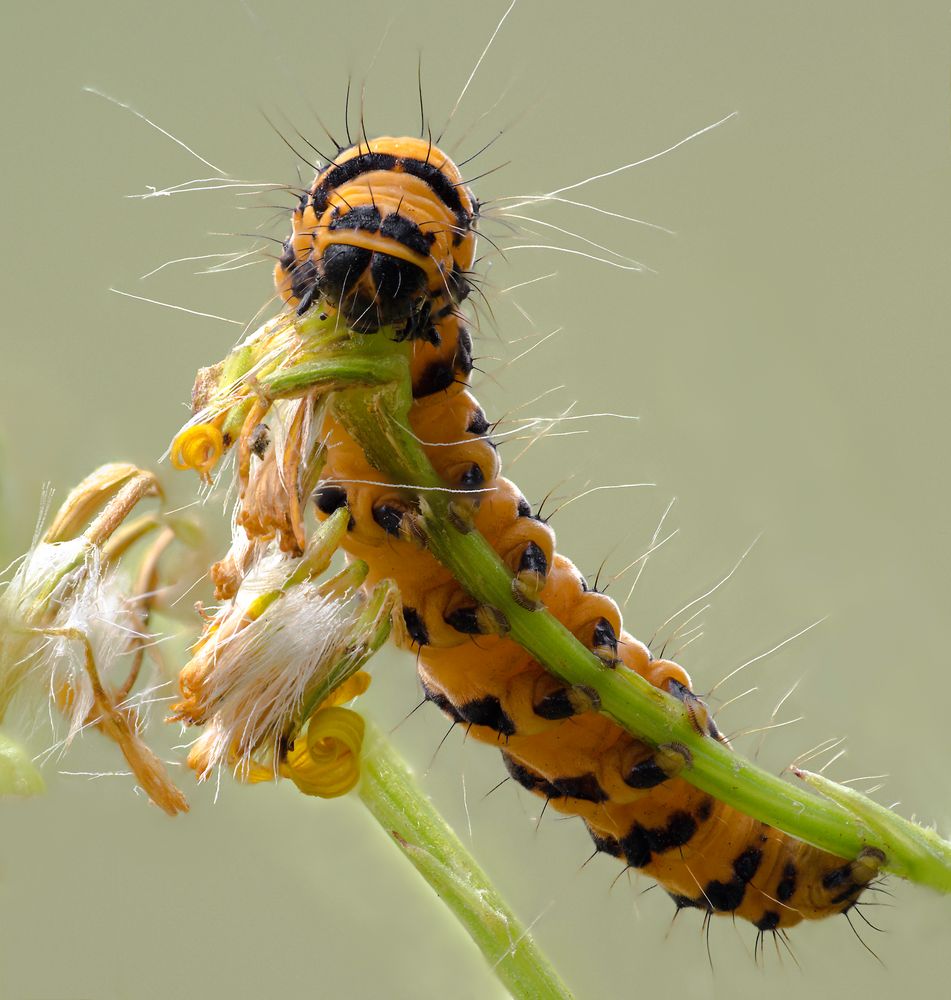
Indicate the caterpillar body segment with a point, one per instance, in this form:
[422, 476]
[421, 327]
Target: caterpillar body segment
[442, 364]
[553, 741]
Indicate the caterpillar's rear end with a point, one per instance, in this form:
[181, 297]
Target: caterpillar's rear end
[386, 237]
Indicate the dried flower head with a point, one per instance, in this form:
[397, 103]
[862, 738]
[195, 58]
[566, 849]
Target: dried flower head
[282, 642]
[278, 465]
[275, 651]
[72, 630]
[60, 590]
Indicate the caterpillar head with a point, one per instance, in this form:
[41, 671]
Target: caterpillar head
[385, 235]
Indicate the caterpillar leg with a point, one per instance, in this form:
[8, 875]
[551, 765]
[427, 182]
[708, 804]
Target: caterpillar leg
[485, 713]
[697, 709]
[653, 768]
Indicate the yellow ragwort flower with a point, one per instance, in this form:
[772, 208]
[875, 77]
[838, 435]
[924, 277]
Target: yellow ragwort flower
[326, 762]
[198, 447]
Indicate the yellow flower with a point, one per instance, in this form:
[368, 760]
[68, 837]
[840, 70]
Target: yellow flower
[326, 762]
[198, 447]
[323, 762]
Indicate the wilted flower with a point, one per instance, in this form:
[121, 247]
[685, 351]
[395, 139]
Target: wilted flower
[277, 655]
[278, 465]
[275, 651]
[67, 622]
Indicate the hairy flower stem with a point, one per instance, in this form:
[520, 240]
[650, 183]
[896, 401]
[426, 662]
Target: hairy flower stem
[389, 791]
[377, 418]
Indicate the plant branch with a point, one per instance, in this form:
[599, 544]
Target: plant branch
[388, 790]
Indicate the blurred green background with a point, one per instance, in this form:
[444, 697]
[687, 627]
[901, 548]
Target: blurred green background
[789, 362]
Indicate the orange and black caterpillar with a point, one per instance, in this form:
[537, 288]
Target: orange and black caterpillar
[385, 237]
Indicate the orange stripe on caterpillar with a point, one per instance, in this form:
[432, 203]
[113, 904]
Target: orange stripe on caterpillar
[553, 741]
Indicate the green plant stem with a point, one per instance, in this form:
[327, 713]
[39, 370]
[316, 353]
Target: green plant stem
[922, 848]
[330, 373]
[389, 791]
[378, 419]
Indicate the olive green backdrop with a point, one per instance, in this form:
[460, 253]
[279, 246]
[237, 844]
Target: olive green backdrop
[789, 362]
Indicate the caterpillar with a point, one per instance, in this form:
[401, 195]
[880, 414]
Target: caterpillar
[385, 236]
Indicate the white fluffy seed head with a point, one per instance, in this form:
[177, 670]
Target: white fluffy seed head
[58, 586]
[255, 677]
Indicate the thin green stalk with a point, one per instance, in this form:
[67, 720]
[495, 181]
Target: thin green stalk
[330, 373]
[378, 420]
[388, 790]
[920, 846]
